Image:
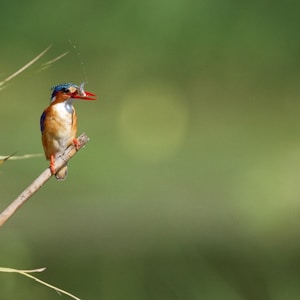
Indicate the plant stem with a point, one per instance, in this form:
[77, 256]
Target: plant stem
[42, 179]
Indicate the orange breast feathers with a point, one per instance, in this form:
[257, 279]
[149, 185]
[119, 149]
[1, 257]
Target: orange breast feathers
[59, 128]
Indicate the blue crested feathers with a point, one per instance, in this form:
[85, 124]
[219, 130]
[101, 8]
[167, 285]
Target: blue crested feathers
[61, 86]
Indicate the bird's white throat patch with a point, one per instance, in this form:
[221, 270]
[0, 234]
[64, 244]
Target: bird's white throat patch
[69, 106]
[64, 108]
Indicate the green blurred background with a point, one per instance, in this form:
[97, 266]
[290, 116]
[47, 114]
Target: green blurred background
[190, 185]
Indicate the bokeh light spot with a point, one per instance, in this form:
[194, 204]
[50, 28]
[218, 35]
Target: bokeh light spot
[153, 122]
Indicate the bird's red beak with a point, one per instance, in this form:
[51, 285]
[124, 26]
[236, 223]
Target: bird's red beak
[84, 95]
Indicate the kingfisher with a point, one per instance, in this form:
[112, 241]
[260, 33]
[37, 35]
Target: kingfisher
[58, 123]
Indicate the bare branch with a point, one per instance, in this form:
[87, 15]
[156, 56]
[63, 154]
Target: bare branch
[25, 273]
[3, 159]
[41, 180]
[50, 62]
[25, 67]
[18, 157]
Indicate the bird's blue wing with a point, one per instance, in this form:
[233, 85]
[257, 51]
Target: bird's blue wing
[42, 121]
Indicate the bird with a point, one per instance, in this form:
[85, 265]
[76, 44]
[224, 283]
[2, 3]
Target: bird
[58, 123]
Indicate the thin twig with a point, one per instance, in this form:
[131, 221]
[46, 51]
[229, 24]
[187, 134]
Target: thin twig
[25, 273]
[25, 67]
[3, 159]
[18, 157]
[42, 179]
[50, 62]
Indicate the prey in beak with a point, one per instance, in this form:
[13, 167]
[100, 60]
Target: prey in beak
[80, 93]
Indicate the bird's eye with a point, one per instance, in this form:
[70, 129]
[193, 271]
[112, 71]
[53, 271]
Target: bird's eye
[65, 91]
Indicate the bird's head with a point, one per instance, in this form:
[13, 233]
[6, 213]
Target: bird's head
[68, 91]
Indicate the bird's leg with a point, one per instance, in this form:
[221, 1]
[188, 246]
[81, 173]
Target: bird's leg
[76, 144]
[52, 164]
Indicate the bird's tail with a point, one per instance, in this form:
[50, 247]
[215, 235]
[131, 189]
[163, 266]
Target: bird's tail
[62, 173]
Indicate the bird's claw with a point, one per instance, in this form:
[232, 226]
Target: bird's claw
[52, 165]
[76, 144]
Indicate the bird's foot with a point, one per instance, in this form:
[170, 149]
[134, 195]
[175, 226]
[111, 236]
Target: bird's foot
[76, 144]
[52, 165]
